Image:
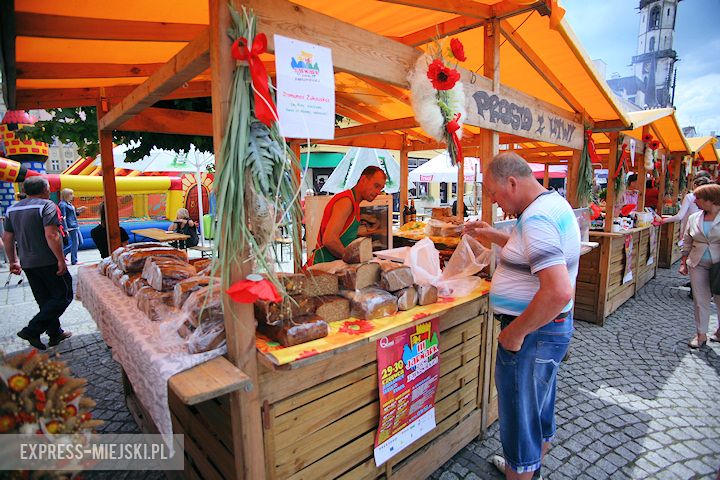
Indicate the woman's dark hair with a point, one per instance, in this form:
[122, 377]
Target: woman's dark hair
[710, 192]
[631, 178]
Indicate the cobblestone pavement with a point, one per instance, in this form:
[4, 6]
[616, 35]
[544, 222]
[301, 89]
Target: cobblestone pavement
[633, 401]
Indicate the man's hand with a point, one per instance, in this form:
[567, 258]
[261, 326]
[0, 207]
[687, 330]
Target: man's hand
[62, 268]
[485, 234]
[511, 338]
[15, 268]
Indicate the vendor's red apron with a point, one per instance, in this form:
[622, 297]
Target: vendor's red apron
[350, 230]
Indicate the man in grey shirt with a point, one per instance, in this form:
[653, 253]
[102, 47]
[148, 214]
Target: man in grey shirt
[32, 234]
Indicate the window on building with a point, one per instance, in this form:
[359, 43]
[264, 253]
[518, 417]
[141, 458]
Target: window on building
[668, 12]
[652, 44]
[654, 18]
[55, 165]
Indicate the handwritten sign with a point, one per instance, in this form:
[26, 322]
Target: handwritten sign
[503, 113]
[408, 375]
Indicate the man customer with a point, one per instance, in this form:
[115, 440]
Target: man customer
[532, 297]
[33, 243]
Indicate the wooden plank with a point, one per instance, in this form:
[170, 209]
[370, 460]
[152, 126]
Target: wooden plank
[46, 70]
[441, 30]
[189, 62]
[62, 26]
[466, 8]
[112, 218]
[166, 120]
[612, 165]
[385, 140]
[208, 380]
[196, 453]
[378, 127]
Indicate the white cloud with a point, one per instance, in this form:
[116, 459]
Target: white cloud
[697, 103]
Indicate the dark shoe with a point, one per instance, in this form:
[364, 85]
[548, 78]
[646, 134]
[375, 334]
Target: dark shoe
[34, 341]
[687, 285]
[697, 343]
[54, 341]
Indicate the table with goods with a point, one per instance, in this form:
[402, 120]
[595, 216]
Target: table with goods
[320, 358]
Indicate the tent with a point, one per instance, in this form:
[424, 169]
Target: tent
[440, 169]
[348, 171]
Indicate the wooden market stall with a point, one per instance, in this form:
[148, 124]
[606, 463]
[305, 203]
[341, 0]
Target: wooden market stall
[258, 413]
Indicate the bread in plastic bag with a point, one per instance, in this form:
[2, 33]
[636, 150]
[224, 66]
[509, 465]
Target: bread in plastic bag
[200, 264]
[396, 277]
[370, 303]
[163, 273]
[156, 305]
[134, 260]
[424, 260]
[103, 265]
[134, 246]
[359, 276]
[206, 337]
[271, 313]
[136, 285]
[203, 305]
[358, 251]
[469, 258]
[427, 294]
[184, 288]
[407, 298]
[293, 283]
[297, 330]
[126, 282]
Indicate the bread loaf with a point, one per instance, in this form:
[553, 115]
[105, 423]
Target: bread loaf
[134, 260]
[136, 285]
[427, 294]
[359, 251]
[293, 283]
[359, 276]
[162, 274]
[207, 336]
[272, 313]
[320, 283]
[370, 303]
[396, 278]
[200, 264]
[296, 331]
[134, 246]
[203, 305]
[154, 304]
[184, 288]
[104, 264]
[332, 308]
[115, 274]
[126, 282]
[407, 298]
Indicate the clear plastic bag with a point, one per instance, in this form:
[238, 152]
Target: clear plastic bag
[208, 336]
[439, 228]
[424, 260]
[370, 303]
[469, 258]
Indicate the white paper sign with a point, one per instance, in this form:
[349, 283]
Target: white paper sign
[632, 151]
[305, 89]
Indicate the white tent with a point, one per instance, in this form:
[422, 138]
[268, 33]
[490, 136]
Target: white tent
[348, 171]
[440, 169]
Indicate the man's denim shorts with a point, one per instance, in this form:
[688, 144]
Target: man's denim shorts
[526, 384]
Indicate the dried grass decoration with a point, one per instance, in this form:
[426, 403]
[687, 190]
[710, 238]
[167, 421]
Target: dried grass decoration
[438, 98]
[257, 188]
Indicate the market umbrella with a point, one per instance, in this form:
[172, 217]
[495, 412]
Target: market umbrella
[159, 160]
[441, 169]
[348, 171]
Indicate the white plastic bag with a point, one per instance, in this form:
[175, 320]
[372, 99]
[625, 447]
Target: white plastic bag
[424, 260]
[458, 278]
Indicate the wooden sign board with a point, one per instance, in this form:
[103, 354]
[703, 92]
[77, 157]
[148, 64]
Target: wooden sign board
[507, 112]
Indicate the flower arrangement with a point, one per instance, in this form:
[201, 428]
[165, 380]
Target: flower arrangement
[438, 98]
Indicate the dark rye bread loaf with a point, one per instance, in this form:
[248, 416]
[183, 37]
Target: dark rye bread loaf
[271, 313]
[359, 276]
[296, 331]
[320, 283]
[332, 308]
[407, 298]
[358, 251]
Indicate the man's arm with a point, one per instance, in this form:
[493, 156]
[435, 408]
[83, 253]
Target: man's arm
[54, 240]
[9, 243]
[486, 234]
[554, 294]
[342, 209]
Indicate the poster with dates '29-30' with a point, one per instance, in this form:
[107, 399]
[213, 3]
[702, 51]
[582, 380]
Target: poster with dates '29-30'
[408, 375]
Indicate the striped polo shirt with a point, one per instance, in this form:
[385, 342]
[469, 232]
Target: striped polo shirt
[546, 234]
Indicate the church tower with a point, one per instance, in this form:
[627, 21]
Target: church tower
[654, 63]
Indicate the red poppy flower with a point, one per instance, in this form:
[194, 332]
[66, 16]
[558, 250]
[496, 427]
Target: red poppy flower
[40, 406]
[442, 77]
[654, 145]
[306, 354]
[458, 50]
[647, 138]
[658, 165]
[356, 327]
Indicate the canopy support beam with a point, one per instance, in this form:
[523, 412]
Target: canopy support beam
[189, 62]
[403, 177]
[610, 195]
[168, 120]
[107, 164]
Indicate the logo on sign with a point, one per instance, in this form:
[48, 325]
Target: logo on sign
[385, 342]
[304, 67]
[426, 178]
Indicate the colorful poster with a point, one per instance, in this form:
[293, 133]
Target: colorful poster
[628, 275]
[305, 89]
[653, 246]
[408, 374]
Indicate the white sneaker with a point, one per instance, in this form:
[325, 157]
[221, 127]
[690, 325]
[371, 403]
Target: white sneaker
[499, 462]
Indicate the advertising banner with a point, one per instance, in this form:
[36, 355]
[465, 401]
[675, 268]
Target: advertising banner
[408, 374]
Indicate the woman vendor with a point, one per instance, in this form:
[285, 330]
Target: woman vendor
[341, 218]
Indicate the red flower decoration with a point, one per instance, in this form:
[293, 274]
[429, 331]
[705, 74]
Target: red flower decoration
[458, 50]
[7, 423]
[250, 290]
[53, 426]
[70, 411]
[306, 354]
[40, 406]
[647, 138]
[442, 77]
[18, 382]
[627, 209]
[658, 165]
[418, 316]
[446, 299]
[356, 327]
[654, 145]
[39, 395]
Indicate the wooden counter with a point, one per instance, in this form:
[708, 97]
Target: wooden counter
[320, 418]
[600, 290]
[669, 249]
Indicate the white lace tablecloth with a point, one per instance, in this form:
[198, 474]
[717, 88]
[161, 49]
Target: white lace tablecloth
[148, 351]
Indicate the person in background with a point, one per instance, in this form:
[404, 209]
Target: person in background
[69, 214]
[454, 208]
[532, 298]
[688, 206]
[33, 243]
[99, 235]
[341, 218]
[700, 250]
[651, 195]
[631, 194]
[185, 225]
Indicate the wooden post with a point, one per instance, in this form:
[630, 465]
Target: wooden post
[676, 193]
[641, 173]
[460, 192]
[112, 218]
[403, 177]
[571, 182]
[297, 252]
[661, 187]
[546, 176]
[245, 411]
[610, 196]
[489, 139]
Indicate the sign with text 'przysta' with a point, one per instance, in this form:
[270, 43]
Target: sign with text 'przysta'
[502, 112]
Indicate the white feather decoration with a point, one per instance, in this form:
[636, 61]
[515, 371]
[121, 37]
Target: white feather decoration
[649, 160]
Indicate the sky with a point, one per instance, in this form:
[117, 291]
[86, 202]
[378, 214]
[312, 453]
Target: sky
[608, 30]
